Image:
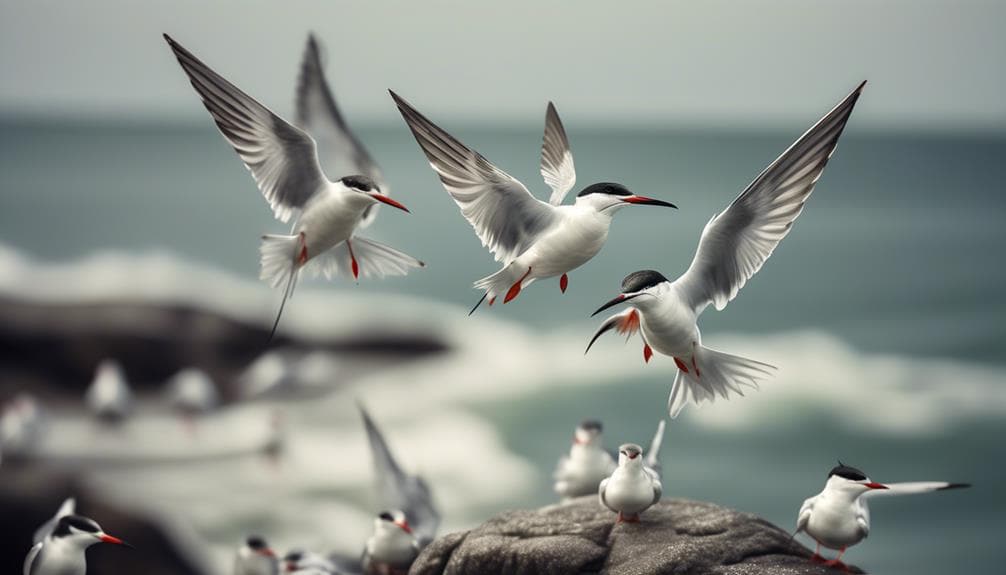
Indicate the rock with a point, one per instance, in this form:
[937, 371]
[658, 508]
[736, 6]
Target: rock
[675, 536]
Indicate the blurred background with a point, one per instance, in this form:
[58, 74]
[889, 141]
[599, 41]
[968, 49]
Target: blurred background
[129, 231]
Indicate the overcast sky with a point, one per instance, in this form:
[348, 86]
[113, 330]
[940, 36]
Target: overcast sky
[931, 65]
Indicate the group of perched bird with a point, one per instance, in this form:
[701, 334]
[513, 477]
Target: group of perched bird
[317, 177]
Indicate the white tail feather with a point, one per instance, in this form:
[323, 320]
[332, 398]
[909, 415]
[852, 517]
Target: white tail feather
[373, 259]
[719, 374]
[277, 257]
[500, 282]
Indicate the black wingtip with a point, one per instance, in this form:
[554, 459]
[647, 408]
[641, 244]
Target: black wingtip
[478, 304]
[956, 486]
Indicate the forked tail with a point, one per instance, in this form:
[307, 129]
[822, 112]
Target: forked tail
[714, 373]
[279, 259]
[505, 283]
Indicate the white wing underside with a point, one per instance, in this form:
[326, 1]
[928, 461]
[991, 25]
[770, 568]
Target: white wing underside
[339, 149]
[737, 241]
[282, 158]
[506, 217]
[556, 158]
[373, 258]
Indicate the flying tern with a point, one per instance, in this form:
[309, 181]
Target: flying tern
[838, 517]
[532, 239]
[283, 160]
[733, 247]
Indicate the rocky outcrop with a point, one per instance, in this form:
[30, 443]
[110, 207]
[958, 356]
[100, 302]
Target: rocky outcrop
[675, 536]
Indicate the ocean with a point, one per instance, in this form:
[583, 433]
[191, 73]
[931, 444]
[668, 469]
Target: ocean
[883, 309]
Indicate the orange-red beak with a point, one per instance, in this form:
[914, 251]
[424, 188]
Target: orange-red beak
[643, 200]
[106, 538]
[875, 485]
[404, 525]
[267, 552]
[388, 200]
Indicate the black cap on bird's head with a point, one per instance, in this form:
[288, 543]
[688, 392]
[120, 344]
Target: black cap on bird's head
[71, 525]
[257, 544]
[854, 475]
[632, 286]
[622, 194]
[386, 516]
[396, 518]
[591, 425]
[368, 186]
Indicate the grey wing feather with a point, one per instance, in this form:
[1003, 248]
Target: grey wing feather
[600, 492]
[556, 158]
[658, 489]
[803, 517]
[863, 517]
[341, 152]
[398, 490]
[653, 454]
[736, 242]
[506, 217]
[282, 158]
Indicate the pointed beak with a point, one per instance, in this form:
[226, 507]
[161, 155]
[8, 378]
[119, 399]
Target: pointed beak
[643, 200]
[404, 525]
[605, 327]
[106, 538]
[620, 298]
[388, 200]
[875, 485]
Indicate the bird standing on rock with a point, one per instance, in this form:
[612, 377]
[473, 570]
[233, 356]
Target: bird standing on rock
[633, 487]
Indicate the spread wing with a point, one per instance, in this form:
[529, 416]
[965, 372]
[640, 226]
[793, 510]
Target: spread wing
[282, 158]
[399, 490]
[506, 217]
[339, 150]
[736, 242]
[556, 158]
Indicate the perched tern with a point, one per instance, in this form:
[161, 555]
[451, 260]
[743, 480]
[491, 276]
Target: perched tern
[393, 546]
[62, 552]
[589, 463]
[304, 562]
[109, 397]
[283, 160]
[532, 239]
[586, 465]
[255, 557]
[633, 487]
[733, 247]
[839, 518]
[68, 507]
[192, 392]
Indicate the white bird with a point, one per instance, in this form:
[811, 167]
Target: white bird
[305, 562]
[109, 397]
[839, 518]
[633, 487]
[733, 247]
[587, 464]
[68, 507]
[192, 392]
[22, 424]
[283, 160]
[255, 557]
[392, 548]
[532, 239]
[62, 552]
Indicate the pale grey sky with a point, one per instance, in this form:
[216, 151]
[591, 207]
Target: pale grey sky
[931, 64]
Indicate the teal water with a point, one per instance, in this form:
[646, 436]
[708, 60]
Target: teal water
[899, 252]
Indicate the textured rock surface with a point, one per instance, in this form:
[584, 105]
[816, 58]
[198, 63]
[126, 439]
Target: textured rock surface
[676, 536]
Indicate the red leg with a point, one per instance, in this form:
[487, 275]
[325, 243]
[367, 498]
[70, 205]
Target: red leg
[816, 558]
[515, 288]
[632, 518]
[837, 561]
[681, 365]
[492, 300]
[352, 259]
[647, 352]
[563, 282]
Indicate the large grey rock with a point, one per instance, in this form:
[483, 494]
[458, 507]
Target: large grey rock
[675, 536]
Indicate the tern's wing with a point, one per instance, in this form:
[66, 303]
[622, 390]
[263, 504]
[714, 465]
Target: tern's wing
[601, 492]
[282, 158]
[556, 158]
[803, 517]
[339, 150]
[506, 217]
[653, 454]
[912, 487]
[399, 490]
[863, 516]
[658, 488]
[736, 242]
[67, 508]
